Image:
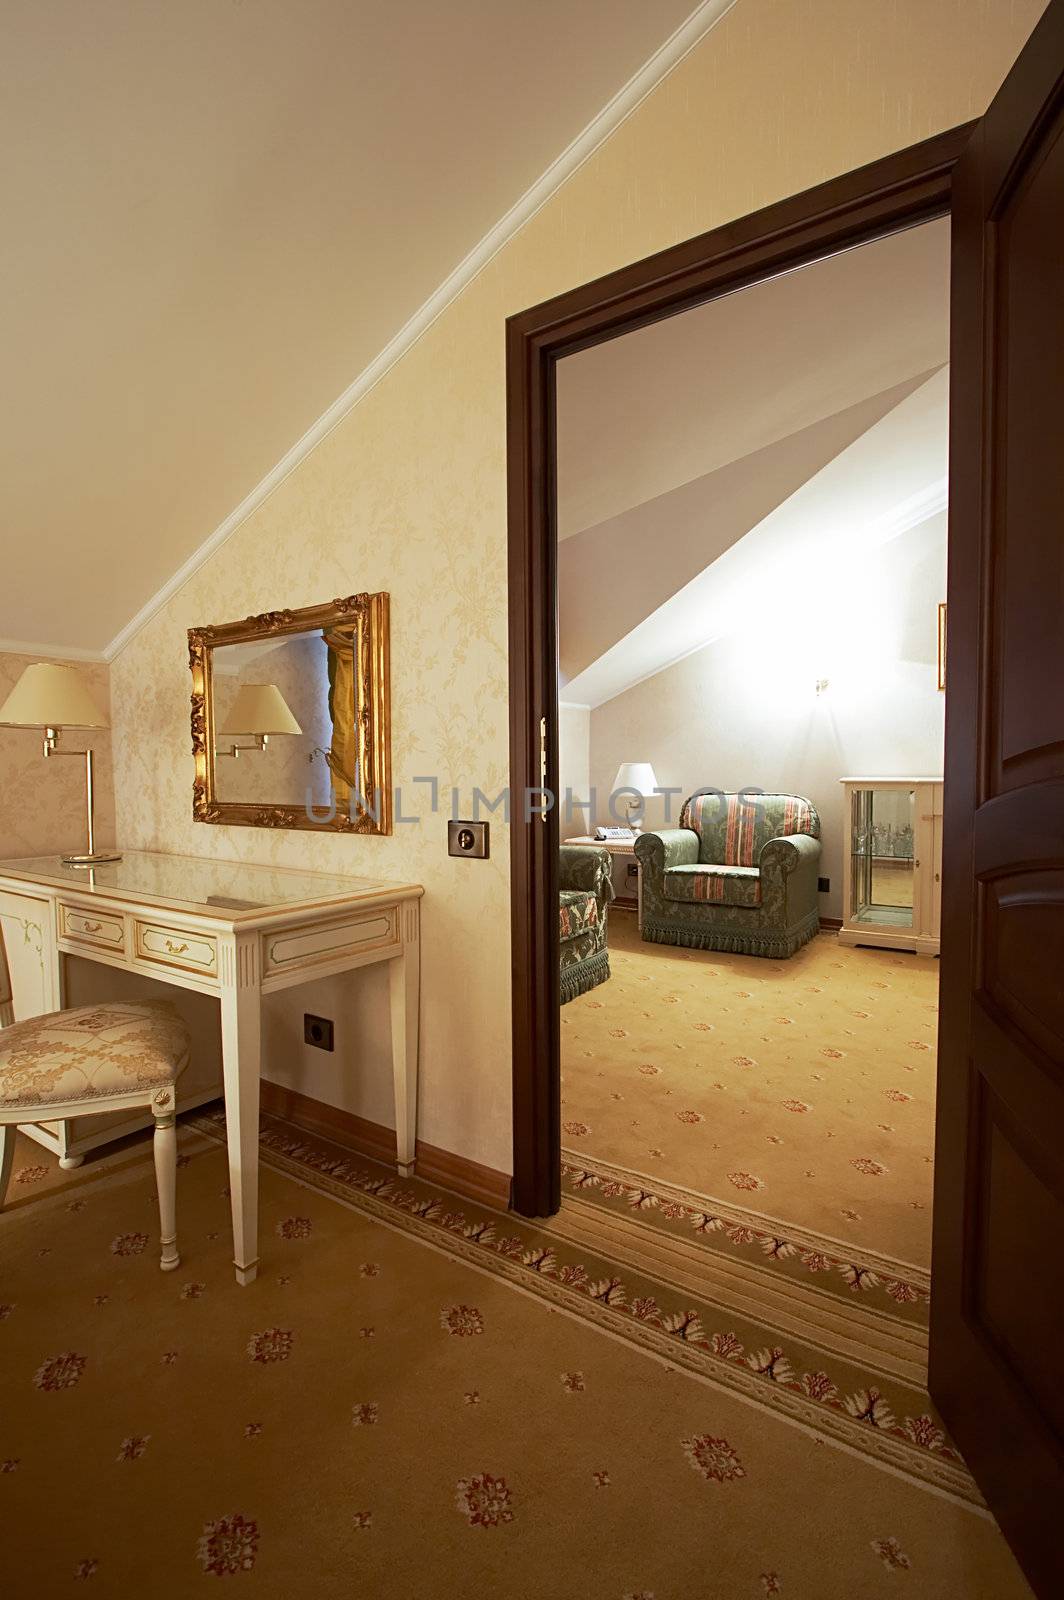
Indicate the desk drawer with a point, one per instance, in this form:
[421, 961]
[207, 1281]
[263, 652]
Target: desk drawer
[315, 944]
[165, 946]
[84, 925]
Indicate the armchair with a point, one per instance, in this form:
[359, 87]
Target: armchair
[585, 891]
[739, 873]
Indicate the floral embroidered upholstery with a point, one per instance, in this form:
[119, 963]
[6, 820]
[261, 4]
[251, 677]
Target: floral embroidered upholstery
[75, 1055]
[739, 873]
[728, 886]
[585, 891]
[577, 913]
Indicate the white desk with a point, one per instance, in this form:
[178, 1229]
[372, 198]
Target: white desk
[233, 931]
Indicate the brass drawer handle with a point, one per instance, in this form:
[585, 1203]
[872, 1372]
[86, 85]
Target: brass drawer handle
[91, 927]
[176, 949]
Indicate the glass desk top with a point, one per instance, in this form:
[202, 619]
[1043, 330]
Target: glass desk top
[231, 890]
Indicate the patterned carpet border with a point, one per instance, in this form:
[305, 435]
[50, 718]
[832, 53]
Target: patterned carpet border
[894, 1288]
[884, 1422]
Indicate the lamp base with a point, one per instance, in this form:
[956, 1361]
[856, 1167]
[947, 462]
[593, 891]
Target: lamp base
[95, 860]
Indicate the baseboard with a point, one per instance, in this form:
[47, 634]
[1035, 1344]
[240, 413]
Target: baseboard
[450, 1171]
[830, 924]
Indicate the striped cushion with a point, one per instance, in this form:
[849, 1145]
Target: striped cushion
[728, 886]
[733, 829]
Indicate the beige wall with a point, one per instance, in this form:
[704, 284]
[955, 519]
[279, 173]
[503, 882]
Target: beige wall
[408, 493]
[574, 767]
[744, 711]
[42, 803]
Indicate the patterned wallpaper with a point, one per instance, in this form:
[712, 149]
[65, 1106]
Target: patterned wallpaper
[408, 492]
[42, 803]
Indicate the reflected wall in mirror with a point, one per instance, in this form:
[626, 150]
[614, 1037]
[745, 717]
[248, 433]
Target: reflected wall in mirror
[290, 718]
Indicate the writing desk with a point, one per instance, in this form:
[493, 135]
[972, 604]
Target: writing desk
[237, 932]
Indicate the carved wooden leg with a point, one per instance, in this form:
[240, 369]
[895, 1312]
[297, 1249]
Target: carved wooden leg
[165, 1150]
[404, 975]
[241, 1061]
[8, 1134]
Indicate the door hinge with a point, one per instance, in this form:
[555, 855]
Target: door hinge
[543, 765]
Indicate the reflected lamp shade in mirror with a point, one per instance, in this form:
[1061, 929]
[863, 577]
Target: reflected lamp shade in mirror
[257, 709]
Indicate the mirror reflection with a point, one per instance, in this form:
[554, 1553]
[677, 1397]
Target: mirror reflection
[291, 722]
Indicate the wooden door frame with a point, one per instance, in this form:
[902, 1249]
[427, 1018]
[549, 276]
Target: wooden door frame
[908, 187]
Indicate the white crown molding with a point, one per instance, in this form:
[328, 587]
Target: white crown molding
[624, 102]
[49, 652]
[917, 508]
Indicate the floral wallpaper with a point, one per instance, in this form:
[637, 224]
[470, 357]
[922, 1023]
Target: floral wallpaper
[43, 806]
[408, 493]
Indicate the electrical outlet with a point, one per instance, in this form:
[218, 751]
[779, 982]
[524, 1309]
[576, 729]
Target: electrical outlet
[317, 1031]
[823, 885]
[468, 839]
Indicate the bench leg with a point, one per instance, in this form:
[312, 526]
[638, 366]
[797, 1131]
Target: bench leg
[165, 1149]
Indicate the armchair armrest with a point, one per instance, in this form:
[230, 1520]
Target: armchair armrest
[667, 847]
[785, 854]
[586, 866]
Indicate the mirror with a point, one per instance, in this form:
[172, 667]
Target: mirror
[290, 718]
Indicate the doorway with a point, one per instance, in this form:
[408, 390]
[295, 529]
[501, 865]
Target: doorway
[751, 516]
[904, 190]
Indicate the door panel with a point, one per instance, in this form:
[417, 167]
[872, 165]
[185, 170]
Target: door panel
[998, 1270]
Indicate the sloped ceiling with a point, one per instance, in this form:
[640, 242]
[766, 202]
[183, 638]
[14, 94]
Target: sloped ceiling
[740, 393]
[215, 216]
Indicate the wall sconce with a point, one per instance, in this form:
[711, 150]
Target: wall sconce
[823, 685]
[259, 710]
[53, 698]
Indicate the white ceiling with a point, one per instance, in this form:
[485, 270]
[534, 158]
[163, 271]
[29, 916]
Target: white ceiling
[215, 216]
[751, 425]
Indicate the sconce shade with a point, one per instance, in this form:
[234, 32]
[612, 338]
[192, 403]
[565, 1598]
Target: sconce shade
[637, 775]
[259, 708]
[50, 696]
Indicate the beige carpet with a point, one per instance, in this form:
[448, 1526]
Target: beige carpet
[802, 1090]
[381, 1418]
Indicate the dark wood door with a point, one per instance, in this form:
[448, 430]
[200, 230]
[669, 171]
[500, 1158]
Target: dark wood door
[997, 1315]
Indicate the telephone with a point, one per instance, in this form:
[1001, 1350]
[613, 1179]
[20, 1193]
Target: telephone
[614, 835]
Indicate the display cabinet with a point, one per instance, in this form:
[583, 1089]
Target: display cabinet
[892, 863]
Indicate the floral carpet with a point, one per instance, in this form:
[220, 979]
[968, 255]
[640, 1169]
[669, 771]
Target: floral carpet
[802, 1089]
[418, 1398]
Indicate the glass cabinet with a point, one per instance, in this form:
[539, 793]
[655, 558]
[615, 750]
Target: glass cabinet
[892, 863]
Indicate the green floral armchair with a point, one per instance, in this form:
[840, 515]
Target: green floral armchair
[586, 889]
[739, 873]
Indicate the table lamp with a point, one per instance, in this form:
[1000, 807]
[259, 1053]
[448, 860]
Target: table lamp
[53, 698]
[637, 775]
[259, 710]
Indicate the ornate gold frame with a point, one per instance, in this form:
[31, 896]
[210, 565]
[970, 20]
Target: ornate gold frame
[369, 614]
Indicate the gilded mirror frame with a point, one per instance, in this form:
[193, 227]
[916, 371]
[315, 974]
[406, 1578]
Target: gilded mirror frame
[368, 617]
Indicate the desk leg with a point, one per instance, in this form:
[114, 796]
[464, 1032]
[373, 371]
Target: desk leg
[241, 1062]
[404, 975]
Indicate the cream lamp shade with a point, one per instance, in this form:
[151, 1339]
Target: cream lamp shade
[48, 696]
[637, 775]
[53, 698]
[259, 708]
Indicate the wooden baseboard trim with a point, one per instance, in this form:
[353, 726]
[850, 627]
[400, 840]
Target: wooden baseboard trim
[830, 924]
[468, 1178]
